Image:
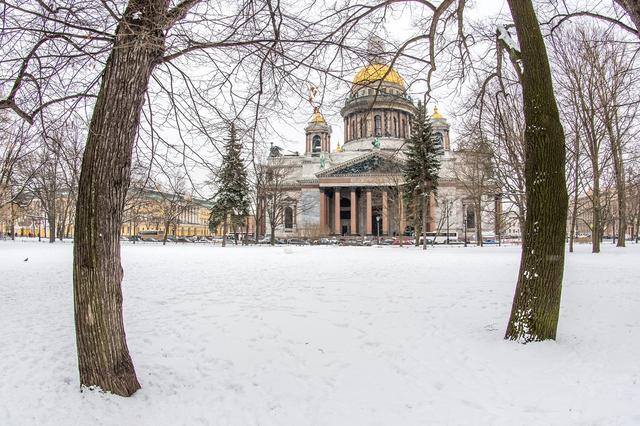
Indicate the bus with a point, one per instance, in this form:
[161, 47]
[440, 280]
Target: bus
[441, 237]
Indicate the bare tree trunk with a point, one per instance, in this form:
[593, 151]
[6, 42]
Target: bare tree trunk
[425, 207]
[12, 227]
[51, 218]
[576, 180]
[478, 214]
[536, 303]
[596, 230]
[103, 356]
[618, 168]
[166, 233]
[225, 228]
[272, 239]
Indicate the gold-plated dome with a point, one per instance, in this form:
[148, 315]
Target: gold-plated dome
[376, 72]
[317, 117]
[436, 114]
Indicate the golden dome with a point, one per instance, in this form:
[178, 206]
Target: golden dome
[377, 72]
[436, 114]
[317, 117]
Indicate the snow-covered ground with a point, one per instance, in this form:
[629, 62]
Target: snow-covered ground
[325, 336]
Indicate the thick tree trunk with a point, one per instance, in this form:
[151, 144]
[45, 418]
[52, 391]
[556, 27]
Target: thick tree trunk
[632, 7]
[103, 356]
[536, 303]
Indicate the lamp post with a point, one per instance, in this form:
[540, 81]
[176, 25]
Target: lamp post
[378, 227]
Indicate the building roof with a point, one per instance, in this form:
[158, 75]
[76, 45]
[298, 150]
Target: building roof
[378, 72]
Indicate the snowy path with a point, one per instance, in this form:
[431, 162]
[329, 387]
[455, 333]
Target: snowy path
[325, 336]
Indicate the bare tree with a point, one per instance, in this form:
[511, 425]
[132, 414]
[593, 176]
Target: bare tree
[475, 173]
[275, 193]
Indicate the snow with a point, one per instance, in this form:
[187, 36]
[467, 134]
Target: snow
[325, 336]
[503, 34]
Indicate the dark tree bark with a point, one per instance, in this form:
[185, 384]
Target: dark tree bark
[536, 303]
[51, 218]
[103, 356]
[632, 7]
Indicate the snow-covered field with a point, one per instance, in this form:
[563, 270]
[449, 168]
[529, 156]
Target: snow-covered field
[325, 336]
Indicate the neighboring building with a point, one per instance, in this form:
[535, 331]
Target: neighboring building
[353, 190]
[145, 210]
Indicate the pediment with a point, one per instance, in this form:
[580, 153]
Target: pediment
[370, 164]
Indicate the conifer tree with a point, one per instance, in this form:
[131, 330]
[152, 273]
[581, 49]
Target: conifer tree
[422, 165]
[231, 204]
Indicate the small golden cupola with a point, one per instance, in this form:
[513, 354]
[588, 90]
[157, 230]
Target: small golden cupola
[436, 114]
[440, 129]
[318, 134]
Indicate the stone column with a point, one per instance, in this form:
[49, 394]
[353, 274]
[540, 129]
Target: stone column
[336, 225]
[369, 213]
[354, 212]
[323, 212]
[385, 213]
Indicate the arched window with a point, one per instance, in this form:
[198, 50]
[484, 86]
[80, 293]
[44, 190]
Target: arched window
[288, 218]
[353, 129]
[315, 144]
[395, 127]
[471, 217]
[378, 125]
[404, 128]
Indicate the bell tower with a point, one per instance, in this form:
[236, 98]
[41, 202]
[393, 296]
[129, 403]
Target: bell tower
[318, 135]
[441, 129]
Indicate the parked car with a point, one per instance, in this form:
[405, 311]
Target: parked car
[405, 241]
[297, 241]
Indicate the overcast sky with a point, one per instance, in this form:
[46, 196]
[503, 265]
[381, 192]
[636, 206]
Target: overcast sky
[399, 28]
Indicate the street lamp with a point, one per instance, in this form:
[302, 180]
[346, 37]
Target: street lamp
[378, 227]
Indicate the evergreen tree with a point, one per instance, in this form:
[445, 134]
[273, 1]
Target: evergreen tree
[231, 204]
[422, 165]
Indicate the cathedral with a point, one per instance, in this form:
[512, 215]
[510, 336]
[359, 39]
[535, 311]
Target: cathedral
[353, 190]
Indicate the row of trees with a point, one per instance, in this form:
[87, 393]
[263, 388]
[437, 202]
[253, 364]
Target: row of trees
[594, 82]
